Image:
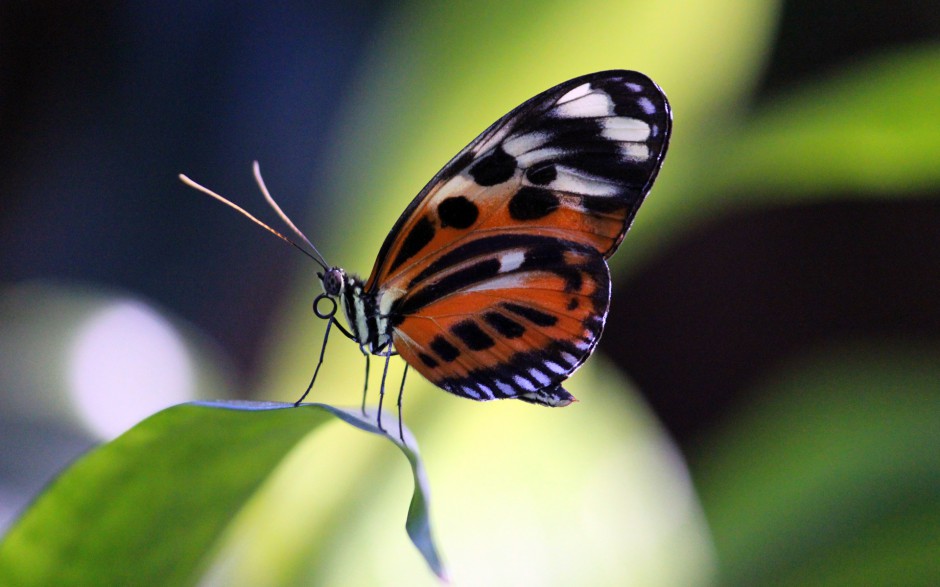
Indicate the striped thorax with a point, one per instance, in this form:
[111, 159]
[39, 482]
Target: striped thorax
[367, 325]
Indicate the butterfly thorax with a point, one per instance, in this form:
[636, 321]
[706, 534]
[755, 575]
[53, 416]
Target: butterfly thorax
[368, 327]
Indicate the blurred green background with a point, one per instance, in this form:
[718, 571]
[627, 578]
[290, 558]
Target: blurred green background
[764, 407]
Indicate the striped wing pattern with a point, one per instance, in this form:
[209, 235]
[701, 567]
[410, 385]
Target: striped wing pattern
[513, 321]
[494, 281]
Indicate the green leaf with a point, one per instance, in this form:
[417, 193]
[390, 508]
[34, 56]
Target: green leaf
[871, 128]
[149, 507]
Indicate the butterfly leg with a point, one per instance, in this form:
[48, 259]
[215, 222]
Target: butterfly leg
[326, 337]
[365, 387]
[388, 357]
[401, 390]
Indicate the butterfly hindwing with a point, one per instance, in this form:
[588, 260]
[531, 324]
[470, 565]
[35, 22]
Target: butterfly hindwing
[494, 281]
[517, 314]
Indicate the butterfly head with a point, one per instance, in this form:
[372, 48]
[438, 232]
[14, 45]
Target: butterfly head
[361, 308]
[333, 281]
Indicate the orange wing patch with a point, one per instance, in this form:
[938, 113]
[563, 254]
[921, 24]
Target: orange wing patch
[506, 324]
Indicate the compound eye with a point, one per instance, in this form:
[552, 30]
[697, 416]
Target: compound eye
[333, 282]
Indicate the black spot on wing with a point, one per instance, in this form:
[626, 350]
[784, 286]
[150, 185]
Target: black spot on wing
[531, 203]
[421, 234]
[444, 349]
[504, 325]
[494, 169]
[537, 317]
[457, 211]
[428, 360]
[542, 174]
[472, 335]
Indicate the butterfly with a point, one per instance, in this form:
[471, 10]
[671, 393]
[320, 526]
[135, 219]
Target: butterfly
[494, 283]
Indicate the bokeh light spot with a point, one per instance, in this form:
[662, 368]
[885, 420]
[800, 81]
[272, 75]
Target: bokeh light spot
[126, 363]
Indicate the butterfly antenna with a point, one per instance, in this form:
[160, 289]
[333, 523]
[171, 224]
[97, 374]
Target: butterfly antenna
[267, 196]
[317, 258]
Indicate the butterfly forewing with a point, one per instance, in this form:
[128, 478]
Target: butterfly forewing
[494, 280]
[578, 158]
